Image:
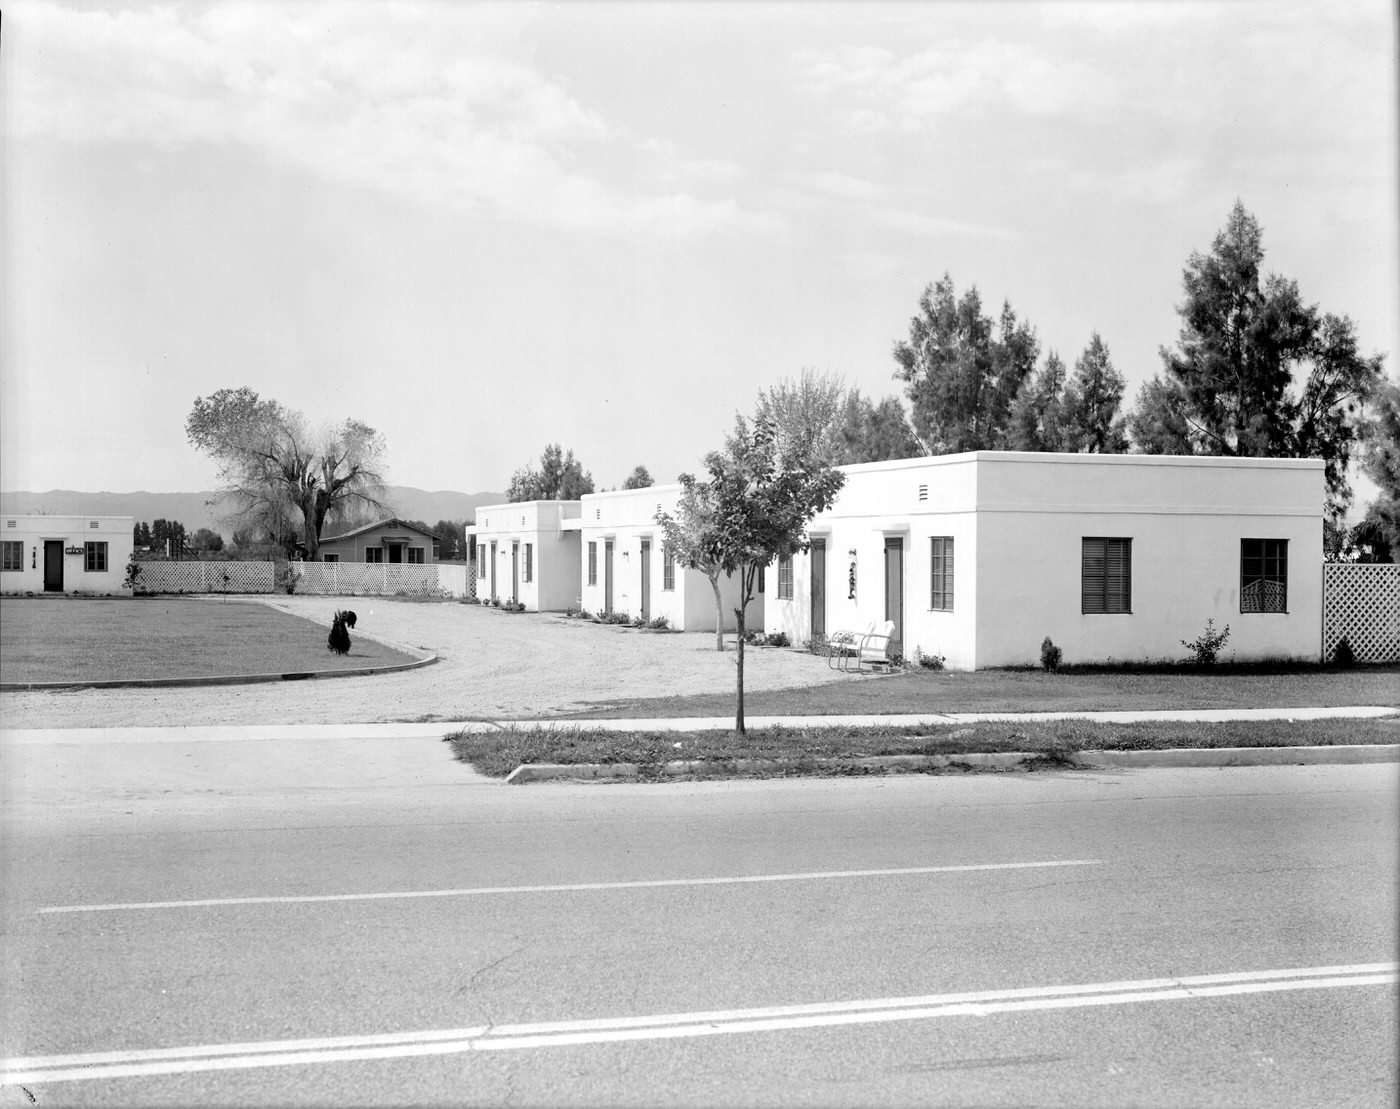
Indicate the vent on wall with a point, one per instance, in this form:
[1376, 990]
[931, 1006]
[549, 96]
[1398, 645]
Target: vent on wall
[597, 514]
[923, 492]
[9, 523]
[92, 524]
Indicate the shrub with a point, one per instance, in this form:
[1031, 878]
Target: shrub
[1050, 655]
[133, 575]
[512, 606]
[928, 662]
[1342, 655]
[613, 618]
[639, 621]
[286, 577]
[779, 639]
[1206, 647]
[658, 623]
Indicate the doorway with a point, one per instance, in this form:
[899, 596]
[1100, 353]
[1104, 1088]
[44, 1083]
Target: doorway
[53, 565]
[607, 576]
[818, 588]
[646, 580]
[894, 593]
[515, 572]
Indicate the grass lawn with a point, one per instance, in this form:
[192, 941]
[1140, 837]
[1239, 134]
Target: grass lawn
[1222, 687]
[106, 639]
[498, 753]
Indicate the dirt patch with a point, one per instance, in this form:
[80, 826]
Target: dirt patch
[494, 665]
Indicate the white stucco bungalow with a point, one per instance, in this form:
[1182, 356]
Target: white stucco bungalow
[65, 554]
[978, 557]
[627, 568]
[528, 551]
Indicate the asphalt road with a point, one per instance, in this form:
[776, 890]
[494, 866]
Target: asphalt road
[1162, 937]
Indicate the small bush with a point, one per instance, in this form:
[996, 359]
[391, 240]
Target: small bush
[779, 639]
[133, 576]
[1050, 655]
[1206, 647]
[658, 623]
[1342, 655]
[639, 621]
[928, 662]
[512, 606]
[613, 618]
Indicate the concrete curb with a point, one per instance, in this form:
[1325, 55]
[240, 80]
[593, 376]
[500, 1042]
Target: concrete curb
[220, 679]
[1004, 760]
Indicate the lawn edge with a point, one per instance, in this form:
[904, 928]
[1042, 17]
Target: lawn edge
[219, 679]
[1342, 754]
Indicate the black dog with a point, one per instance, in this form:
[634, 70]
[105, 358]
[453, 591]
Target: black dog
[339, 639]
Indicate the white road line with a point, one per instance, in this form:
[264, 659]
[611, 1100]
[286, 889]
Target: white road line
[576, 887]
[339, 1049]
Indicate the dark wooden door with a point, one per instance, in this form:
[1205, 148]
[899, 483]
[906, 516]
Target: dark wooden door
[607, 576]
[818, 587]
[53, 566]
[894, 593]
[646, 579]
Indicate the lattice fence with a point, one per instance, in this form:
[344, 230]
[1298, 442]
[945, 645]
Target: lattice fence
[204, 577]
[1361, 602]
[380, 579]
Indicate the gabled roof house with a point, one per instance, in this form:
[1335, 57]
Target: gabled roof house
[390, 541]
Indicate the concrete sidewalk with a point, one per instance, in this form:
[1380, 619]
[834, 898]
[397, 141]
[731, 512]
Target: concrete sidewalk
[440, 728]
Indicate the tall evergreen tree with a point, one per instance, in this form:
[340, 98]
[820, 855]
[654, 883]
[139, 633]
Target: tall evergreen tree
[962, 372]
[1092, 398]
[1037, 413]
[1246, 340]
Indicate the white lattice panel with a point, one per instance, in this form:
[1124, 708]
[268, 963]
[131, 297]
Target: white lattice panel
[378, 579]
[1361, 602]
[204, 577]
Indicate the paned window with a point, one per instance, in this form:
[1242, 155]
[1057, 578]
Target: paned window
[941, 591]
[762, 577]
[13, 555]
[1107, 575]
[1263, 575]
[95, 560]
[529, 562]
[374, 554]
[593, 564]
[785, 577]
[668, 570]
[480, 564]
[415, 556]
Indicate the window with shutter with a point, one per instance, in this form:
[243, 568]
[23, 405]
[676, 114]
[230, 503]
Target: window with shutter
[1106, 575]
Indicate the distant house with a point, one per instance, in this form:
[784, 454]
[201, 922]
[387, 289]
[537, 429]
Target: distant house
[528, 551]
[978, 557]
[65, 554]
[391, 541]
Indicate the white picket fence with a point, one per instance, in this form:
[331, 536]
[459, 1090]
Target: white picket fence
[204, 577]
[358, 579]
[1361, 603]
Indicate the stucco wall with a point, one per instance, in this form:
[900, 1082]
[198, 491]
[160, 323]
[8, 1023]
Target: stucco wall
[502, 532]
[32, 532]
[1185, 516]
[626, 517]
[1018, 521]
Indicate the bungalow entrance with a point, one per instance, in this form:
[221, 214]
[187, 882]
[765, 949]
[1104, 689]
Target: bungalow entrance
[53, 566]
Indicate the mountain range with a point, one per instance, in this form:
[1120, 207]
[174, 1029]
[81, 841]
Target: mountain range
[195, 510]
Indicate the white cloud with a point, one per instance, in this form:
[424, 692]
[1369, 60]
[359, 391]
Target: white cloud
[913, 91]
[442, 104]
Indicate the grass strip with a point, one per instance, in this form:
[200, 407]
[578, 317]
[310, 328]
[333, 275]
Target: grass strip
[497, 753]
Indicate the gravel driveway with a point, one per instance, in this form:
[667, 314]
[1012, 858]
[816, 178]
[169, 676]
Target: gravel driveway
[494, 665]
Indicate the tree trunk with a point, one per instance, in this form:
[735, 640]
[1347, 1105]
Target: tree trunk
[739, 631]
[719, 613]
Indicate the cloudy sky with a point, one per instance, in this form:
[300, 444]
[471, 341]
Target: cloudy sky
[483, 227]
